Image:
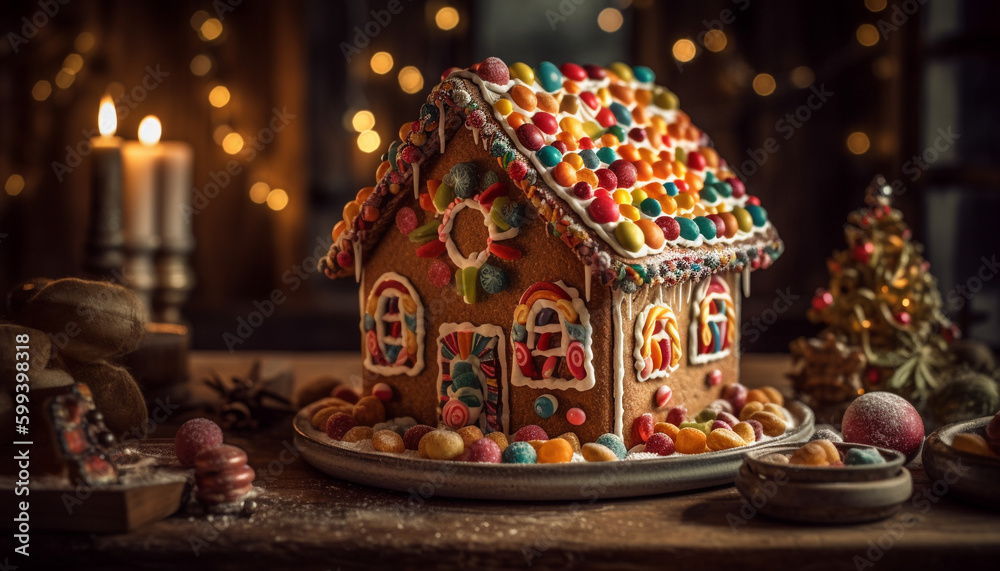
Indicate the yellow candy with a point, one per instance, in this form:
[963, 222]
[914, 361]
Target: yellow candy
[680, 169]
[832, 454]
[523, 72]
[604, 95]
[647, 155]
[567, 310]
[555, 451]
[774, 395]
[811, 454]
[660, 124]
[469, 434]
[500, 438]
[622, 196]
[690, 441]
[743, 219]
[388, 441]
[623, 71]
[746, 432]
[638, 195]
[572, 126]
[442, 444]
[503, 106]
[574, 160]
[357, 434]
[573, 440]
[685, 201]
[629, 235]
[630, 212]
[724, 439]
[592, 129]
[750, 408]
[773, 424]
[537, 444]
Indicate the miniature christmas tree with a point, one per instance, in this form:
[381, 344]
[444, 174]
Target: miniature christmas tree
[883, 301]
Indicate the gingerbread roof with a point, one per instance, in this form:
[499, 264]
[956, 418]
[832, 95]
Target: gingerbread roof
[611, 164]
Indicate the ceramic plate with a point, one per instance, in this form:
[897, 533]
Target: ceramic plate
[574, 481]
[970, 477]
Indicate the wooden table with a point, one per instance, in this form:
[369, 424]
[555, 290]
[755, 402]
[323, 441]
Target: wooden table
[306, 520]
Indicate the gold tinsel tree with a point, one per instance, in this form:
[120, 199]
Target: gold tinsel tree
[883, 300]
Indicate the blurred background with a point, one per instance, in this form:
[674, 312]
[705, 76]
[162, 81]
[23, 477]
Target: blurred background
[288, 107]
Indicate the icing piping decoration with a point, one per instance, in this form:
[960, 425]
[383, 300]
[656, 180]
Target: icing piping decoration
[393, 326]
[713, 321]
[657, 343]
[617, 326]
[472, 376]
[551, 339]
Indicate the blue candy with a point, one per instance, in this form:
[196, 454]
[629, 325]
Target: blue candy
[546, 405]
[863, 457]
[590, 159]
[520, 453]
[622, 114]
[549, 76]
[549, 156]
[613, 443]
[607, 155]
[643, 74]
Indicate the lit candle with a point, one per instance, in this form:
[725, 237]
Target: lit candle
[104, 233]
[141, 165]
[175, 197]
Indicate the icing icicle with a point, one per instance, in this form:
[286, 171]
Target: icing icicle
[588, 275]
[440, 107]
[357, 261]
[746, 280]
[416, 180]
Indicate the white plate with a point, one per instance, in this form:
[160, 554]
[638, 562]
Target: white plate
[516, 482]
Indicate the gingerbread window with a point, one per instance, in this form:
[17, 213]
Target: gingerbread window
[472, 382]
[551, 339]
[657, 343]
[393, 326]
[713, 321]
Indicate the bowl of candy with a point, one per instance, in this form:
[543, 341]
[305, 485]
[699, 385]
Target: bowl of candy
[825, 482]
[966, 457]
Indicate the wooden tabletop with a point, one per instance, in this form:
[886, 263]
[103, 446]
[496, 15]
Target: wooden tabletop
[306, 520]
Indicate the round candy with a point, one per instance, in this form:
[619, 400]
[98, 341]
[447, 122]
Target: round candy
[583, 190]
[406, 220]
[500, 438]
[549, 156]
[606, 117]
[413, 435]
[625, 171]
[194, 436]
[524, 97]
[826, 434]
[743, 219]
[443, 444]
[629, 235]
[338, 424]
[555, 451]
[346, 393]
[523, 72]
[643, 74]
[382, 392]
[530, 136]
[736, 394]
[650, 207]
[388, 441]
[688, 228]
[549, 76]
[604, 210]
[642, 428]
[727, 417]
[663, 395]
[576, 416]
[358, 433]
[652, 234]
[671, 228]
[546, 122]
[546, 406]
[455, 413]
[494, 70]
[228, 479]
[879, 418]
[519, 453]
[706, 227]
[530, 432]
[714, 378]
[607, 155]
[594, 452]
[485, 450]
[721, 424]
[606, 179]
[224, 457]
[493, 279]
[439, 273]
[660, 444]
[573, 71]
[757, 213]
[469, 434]
[613, 443]
[590, 159]
[576, 359]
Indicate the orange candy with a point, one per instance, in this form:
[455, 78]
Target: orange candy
[569, 140]
[643, 97]
[609, 140]
[654, 190]
[382, 169]
[628, 152]
[731, 224]
[524, 97]
[364, 193]
[351, 210]
[564, 174]
[690, 441]
[515, 120]
[587, 176]
[694, 181]
[338, 229]
[546, 102]
[643, 170]
[661, 169]
[571, 86]
[668, 204]
[652, 233]
[574, 160]
[684, 200]
[647, 155]
[555, 451]
[639, 115]
[622, 92]
[653, 137]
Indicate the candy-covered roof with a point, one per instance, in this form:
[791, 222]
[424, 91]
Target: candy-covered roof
[608, 160]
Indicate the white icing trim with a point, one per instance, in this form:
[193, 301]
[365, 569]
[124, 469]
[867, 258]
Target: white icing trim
[441, 118]
[357, 260]
[476, 259]
[416, 180]
[640, 324]
[697, 296]
[618, 327]
[587, 383]
[501, 347]
[588, 277]
[746, 280]
[418, 365]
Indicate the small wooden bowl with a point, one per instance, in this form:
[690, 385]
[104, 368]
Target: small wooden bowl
[969, 477]
[824, 474]
[848, 494]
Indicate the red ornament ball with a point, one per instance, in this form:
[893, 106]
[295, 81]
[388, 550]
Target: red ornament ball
[863, 252]
[903, 318]
[886, 420]
[494, 70]
[822, 300]
[194, 436]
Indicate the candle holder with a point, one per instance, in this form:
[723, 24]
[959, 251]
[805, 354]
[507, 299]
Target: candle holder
[175, 280]
[140, 273]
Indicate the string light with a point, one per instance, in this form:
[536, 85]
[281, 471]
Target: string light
[210, 29]
[858, 143]
[906, 302]
[41, 90]
[64, 78]
[259, 192]
[84, 42]
[277, 199]
[363, 120]
[610, 20]
[369, 141]
[219, 96]
[220, 132]
[446, 18]
[410, 79]
[802, 76]
[764, 84]
[73, 62]
[382, 63]
[198, 18]
[201, 64]
[684, 50]
[232, 143]
[14, 185]
[716, 40]
[867, 35]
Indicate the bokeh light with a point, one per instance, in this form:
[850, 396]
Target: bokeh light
[369, 141]
[867, 35]
[14, 185]
[211, 29]
[410, 79]
[715, 40]
[277, 199]
[201, 64]
[259, 192]
[684, 50]
[41, 90]
[610, 20]
[764, 84]
[363, 120]
[858, 143]
[232, 143]
[802, 76]
[219, 96]
[446, 18]
[382, 63]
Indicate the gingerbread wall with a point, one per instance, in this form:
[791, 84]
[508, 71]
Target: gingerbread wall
[544, 259]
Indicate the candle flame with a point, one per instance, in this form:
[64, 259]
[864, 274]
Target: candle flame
[107, 118]
[150, 130]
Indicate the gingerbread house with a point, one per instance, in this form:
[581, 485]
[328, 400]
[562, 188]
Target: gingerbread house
[556, 246]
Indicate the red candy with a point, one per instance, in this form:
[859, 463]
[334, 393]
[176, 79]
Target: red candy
[606, 179]
[696, 161]
[590, 99]
[642, 429]
[345, 259]
[576, 416]
[573, 71]
[406, 220]
[753, 200]
[346, 393]
[439, 273]
[530, 432]
[218, 482]
[739, 189]
[518, 169]
[583, 190]
[595, 71]
[431, 249]
[411, 439]
[484, 450]
[637, 134]
[606, 117]
[736, 394]
[194, 436]
[546, 122]
[884, 419]
[560, 146]
[714, 378]
[494, 70]
[660, 444]
[663, 395]
[677, 415]
[586, 143]
[338, 424]
[220, 458]
[671, 228]
[721, 424]
[720, 230]
[626, 173]
[382, 392]
[603, 210]
[531, 137]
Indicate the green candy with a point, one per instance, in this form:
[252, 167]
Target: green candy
[643, 74]
[622, 70]
[424, 233]
[492, 278]
[707, 415]
[618, 132]
[708, 228]
[630, 236]
[666, 100]
[613, 443]
[705, 427]
[758, 214]
[519, 453]
[689, 229]
[443, 197]
[708, 194]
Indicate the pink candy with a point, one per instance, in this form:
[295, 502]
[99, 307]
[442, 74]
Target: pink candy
[626, 173]
[663, 395]
[660, 444]
[484, 450]
[530, 432]
[677, 415]
[194, 436]
[406, 220]
[494, 70]
[576, 416]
